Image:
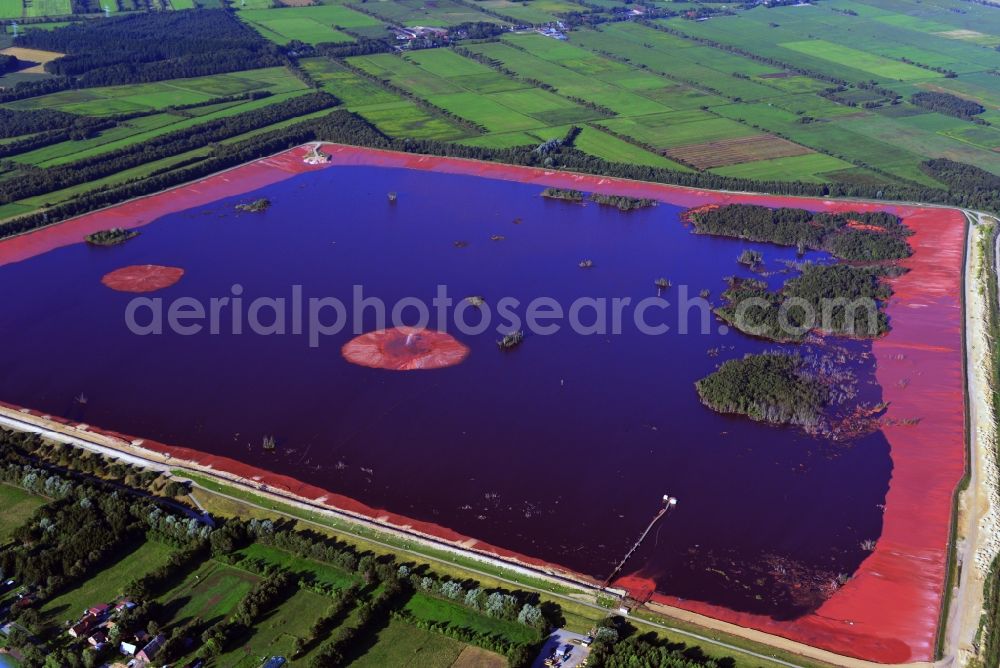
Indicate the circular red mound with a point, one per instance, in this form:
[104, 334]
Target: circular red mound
[142, 278]
[405, 349]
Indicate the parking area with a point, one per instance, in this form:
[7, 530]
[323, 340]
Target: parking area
[563, 649]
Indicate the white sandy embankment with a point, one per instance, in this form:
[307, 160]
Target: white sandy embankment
[978, 539]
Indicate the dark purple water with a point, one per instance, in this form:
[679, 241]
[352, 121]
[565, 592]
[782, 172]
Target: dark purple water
[560, 449]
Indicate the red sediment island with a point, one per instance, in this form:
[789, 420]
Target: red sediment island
[142, 278]
[405, 349]
[888, 612]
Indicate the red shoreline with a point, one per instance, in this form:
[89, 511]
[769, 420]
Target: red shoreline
[278, 483]
[890, 610]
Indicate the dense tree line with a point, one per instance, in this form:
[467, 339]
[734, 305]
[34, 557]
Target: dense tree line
[37, 182]
[8, 63]
[946, 103]
[476, 30]
[364, 46]
[131, 48]
[344, 601]
[497, 603]
[33, 88]
[370, 614]
[85, 127]
[948, 74]
[961, 177]
[68, 461]
[768, 387]
[157, 581]
[15, 122]
[646, 651]
[855, 236]
[265, 595]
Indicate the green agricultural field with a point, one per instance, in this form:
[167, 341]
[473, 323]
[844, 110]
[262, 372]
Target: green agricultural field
[567, 81]
[515, 106]
[134, 130]
[873, 64]
[677, 128]
[11, 210]
[464, 73]
[48, 25]
[162, 94]
[47, 7]
[312, 25]
[18, 505]
[988, 138]
[503, 140]
[354, 90]
[405, 74]
[137, 130]
[211, 593]
[34, 203]
[106, 585]
[313, 572]
[485, 111]
[275, 634]
[795, 168]
[432, 609]
[440, 13]
[536, 11]
[404, 646]
[406, 119]
[11, 9]
[548, 108]
[602, 145]
[285, 29]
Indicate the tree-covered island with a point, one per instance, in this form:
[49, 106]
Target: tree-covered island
[770, 387]
[853, 236]
[838, 299]
[622, 202]
[563, 194]
[256, 206]
[111, 237]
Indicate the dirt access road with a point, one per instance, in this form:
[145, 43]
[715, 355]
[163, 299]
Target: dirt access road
[978, 539]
